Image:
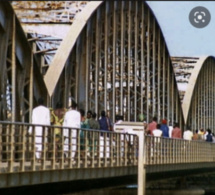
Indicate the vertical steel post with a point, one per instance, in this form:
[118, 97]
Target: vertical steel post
[141, 165]
[13, 56]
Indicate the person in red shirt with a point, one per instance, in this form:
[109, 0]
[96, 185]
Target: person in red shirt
[152, 126]
[176, 132]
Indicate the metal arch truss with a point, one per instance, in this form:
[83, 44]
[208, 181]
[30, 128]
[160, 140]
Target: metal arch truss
[18, 86]
[199, 100]
[119, 63]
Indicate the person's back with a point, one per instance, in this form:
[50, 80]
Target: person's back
[201, 132]
[57, 117]
[196, 136]
[72, 119]
[59, 113]
[41, 115]
[164, 128]
[104, 122]
[209, 137]
[176, 132]
[188, 135]
[157, 132]
[93, 123]
[152, 125]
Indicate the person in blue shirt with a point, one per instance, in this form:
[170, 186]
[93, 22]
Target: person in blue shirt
[105, 122]
[105, 125]
[164, 128]
[209, 137]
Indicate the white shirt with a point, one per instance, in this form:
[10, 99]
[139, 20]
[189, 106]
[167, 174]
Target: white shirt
[188, 135]
[157, 132]
[40, 116]
[170, 131]
[72, 119]
[205, 135]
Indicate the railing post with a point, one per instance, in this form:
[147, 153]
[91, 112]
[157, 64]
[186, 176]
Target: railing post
[141, 164]
[11, 133]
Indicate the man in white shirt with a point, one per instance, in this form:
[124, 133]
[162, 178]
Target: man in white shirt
[40, 115]
[72, 120]
[188, 135]
[157, 133]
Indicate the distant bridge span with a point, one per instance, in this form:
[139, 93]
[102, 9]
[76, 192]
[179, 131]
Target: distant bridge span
[198, 103]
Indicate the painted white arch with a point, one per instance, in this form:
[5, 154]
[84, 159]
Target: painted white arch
[191, 86]
[52, 76]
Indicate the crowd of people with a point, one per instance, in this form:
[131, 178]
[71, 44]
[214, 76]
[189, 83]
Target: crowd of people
[76, 119]
[70, 118]
[163, 130]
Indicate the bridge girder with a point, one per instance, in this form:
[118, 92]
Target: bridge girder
[21, 83]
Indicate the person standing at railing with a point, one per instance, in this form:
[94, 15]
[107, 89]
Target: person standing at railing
[152, 125]
[196, 136]
[202, 132]
[72, 120]
[105, 125]
[164, 128]
[188, 134]
[157, 133]
[40, 115]
[105, 122]
[57, 118]
[209, 137]
[176, 132]
[84, 135]
[94, 124]
[89, 134]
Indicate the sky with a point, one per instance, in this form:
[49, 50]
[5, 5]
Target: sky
[182, 38]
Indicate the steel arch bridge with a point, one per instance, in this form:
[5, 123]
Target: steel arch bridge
[114, 58]
[198, 103]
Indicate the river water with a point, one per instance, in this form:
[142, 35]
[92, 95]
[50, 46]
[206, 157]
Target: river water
[132, 190]
[120, 190]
